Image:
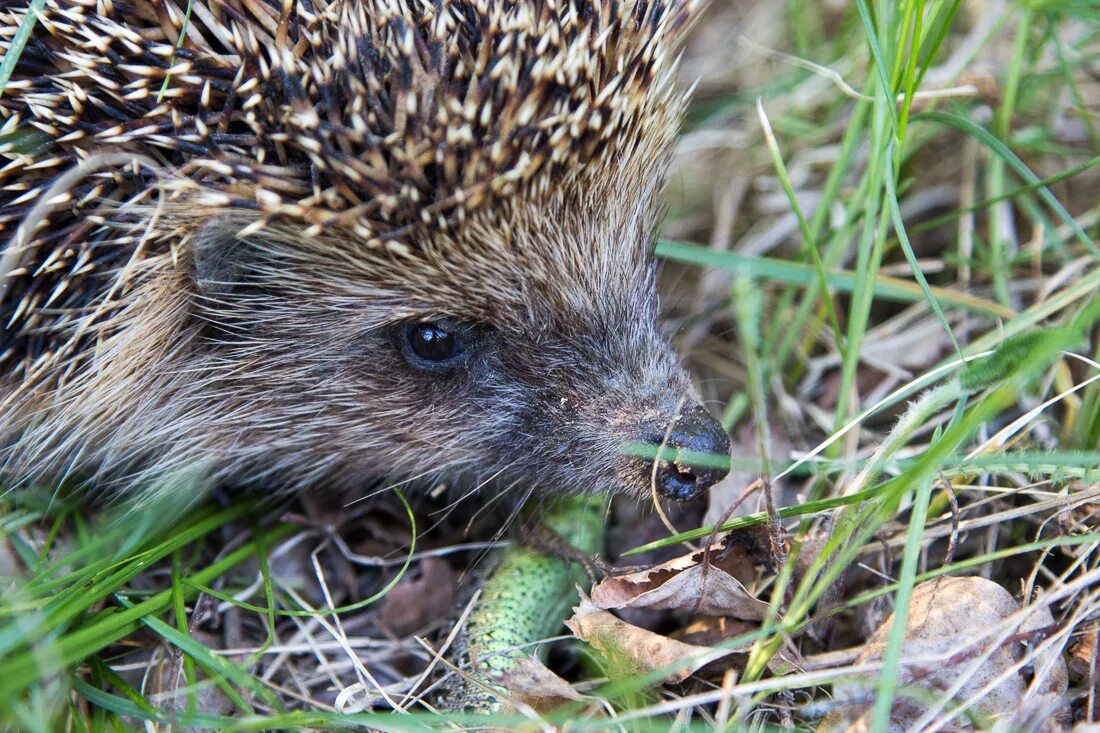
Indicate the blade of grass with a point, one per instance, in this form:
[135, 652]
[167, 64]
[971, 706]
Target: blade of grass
[951, 216]
[891, 659]
[933, 40]
[218, 668]
[787, 333]
[871, 245]
[24, 668]
[19, 42]
[808, 242]
[872, 38]
[885, 287]
[906, 69]
[910, 256]
[181, 625]
[179, 44]
[1002, 126]
[983, 136]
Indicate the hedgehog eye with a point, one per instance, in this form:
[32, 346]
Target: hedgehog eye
[432, 345]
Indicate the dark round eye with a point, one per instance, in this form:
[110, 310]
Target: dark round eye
[433, 343]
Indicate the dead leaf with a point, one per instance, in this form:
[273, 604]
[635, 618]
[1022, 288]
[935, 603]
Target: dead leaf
[413, 604]
[685, 584]
[634, 651]
[713, 630]
[946, 617]
[1083, 663]
[530, 682]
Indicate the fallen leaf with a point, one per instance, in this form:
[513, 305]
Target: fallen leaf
[713, 630]
[632, 651]
[530, 682]
[686, 583]
[947, 621]
[1083, 662]
[413, 604]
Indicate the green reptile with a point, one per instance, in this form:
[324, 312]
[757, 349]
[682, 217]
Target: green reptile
[524, 600]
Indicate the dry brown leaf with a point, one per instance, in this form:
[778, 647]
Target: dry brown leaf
[530, 682]
[686, 584]
[634, 651]
[945, 617]
[713, 630]
[1083, 662]
[413, 604]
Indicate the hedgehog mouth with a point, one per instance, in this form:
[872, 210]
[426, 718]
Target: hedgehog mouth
[689, 456]
[683, 473]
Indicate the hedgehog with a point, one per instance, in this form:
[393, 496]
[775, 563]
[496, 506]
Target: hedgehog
[311, 244]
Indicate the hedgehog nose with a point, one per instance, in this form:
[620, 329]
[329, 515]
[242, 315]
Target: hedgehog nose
[695, 455]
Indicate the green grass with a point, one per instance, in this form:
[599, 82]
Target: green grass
[1008, 272]
[819, 305]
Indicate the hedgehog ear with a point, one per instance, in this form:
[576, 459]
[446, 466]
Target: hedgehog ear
[222, 260]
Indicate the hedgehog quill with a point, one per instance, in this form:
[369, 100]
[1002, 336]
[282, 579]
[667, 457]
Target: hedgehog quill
[308, 244]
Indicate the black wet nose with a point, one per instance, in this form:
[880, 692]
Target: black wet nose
[694, 457]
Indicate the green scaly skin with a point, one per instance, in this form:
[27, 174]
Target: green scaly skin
[525, 599]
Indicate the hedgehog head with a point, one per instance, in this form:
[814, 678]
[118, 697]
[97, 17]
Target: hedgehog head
[411, 237]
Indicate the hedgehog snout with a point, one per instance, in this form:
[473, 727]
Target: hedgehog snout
[687, 456]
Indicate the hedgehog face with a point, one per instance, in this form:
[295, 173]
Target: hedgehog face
[560, 406]
[525, 355]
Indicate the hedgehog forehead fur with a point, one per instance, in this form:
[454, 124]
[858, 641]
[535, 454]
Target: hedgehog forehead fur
[302, 175]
